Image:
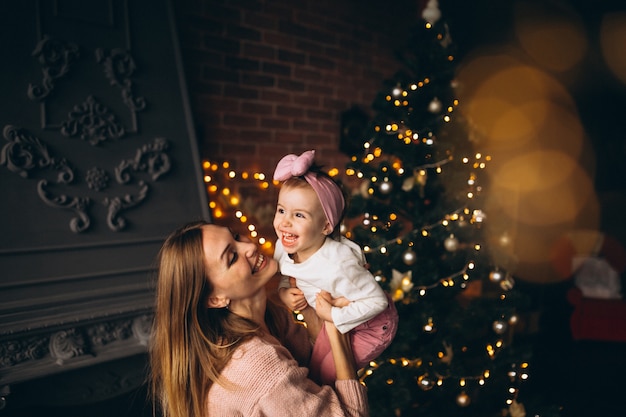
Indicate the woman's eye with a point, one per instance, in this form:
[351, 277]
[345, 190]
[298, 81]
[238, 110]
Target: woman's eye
[234, 258]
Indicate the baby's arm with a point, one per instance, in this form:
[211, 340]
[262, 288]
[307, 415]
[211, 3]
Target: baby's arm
[367, 296]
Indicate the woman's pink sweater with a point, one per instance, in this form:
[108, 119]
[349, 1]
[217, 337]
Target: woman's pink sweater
[265, 380]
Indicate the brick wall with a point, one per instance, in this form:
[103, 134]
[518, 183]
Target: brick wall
[272, 77]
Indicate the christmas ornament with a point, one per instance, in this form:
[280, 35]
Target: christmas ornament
[418, 178]
[451, 243]
[401, 282]
[385, 187]
[431, 12]
[435, 106]
[409, 257]
[463, 400]
[500, 326]
[495, 276]
[364, 189]
[407, 184]
[429, 326]
[517, 409]
[478, 216]
[425, 383]
[507, 283]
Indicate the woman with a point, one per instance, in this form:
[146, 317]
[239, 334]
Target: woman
[220, 348]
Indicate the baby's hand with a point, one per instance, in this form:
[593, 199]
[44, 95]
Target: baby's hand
[292, 297]
[340, 302]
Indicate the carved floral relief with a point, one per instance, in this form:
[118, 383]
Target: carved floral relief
[27, 156]
[95, 124]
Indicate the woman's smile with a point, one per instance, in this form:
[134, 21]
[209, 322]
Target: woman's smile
[261, 262]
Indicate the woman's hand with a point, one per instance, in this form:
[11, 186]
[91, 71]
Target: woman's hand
[324, 303]
[345, 364]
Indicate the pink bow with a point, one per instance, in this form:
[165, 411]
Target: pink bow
[328, 192]
[293, 166]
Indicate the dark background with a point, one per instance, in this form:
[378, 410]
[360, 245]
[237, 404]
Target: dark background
[585, 378]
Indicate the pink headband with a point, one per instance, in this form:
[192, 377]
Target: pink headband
[327, 191]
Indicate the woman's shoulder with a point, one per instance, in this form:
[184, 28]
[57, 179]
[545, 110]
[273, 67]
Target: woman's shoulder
[266, 352]
[257, 367]
[259, 362]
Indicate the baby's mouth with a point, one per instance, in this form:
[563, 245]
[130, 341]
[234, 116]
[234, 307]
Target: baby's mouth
[289, 238]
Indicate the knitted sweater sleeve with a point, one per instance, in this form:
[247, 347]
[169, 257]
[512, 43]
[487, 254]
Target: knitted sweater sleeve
[265, 381]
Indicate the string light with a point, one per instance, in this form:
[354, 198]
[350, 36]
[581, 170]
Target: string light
[224, 198]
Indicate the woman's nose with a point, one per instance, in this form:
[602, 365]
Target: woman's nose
[248, 248]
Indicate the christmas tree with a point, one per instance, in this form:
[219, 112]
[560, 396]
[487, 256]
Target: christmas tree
[416, 208]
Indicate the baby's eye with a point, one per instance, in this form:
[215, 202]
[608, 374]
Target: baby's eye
[280, 210]
[300, 215]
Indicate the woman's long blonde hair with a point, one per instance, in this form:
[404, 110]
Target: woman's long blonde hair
[190, 342]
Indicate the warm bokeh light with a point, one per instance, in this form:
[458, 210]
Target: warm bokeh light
[516, 106]
[612, 41]
[541, 179]
[542, 187]
[535, 199]
[556, 40]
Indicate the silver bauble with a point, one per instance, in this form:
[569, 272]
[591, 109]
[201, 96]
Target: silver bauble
[500, 326]
[425, 383]
[463, 400]
[495, 276]
[409, 257]
[435, 106]
[451, 243]
[385, 187]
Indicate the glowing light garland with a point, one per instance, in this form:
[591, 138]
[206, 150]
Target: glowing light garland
[223, 198]
[226, 196]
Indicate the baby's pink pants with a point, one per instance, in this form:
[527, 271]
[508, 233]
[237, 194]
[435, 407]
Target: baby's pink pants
[368, 341]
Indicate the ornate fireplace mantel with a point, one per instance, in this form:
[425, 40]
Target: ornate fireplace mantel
[98, 163]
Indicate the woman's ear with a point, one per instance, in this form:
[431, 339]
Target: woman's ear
[217, 302]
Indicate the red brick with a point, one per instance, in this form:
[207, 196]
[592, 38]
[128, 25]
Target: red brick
[289, 111]
[255, 50]
[240, 120]
[274, 123]
[274, 96]
[273, 77]
[257, 80]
